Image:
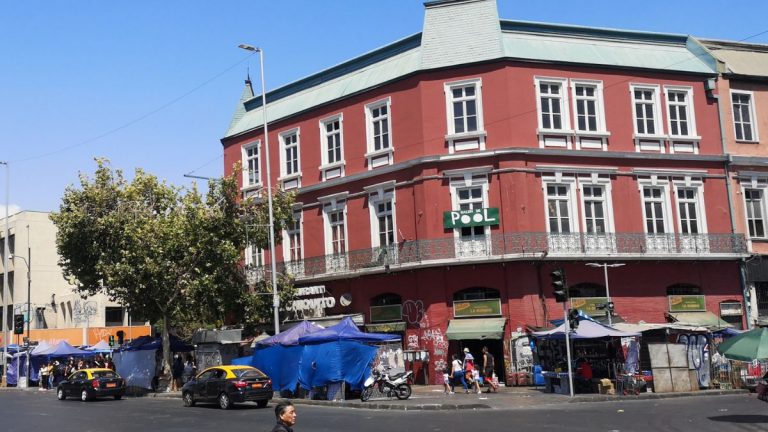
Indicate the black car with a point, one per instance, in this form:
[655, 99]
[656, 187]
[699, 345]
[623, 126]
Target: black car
[91, 383]
[227, 385]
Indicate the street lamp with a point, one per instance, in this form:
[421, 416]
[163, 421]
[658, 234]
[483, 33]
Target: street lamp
[607, 291]
[28, 262]
[275, 298]
[5, 269]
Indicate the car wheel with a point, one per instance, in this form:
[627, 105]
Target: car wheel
[225, 402]
[84, 396]
[118, 397]
[189, 399]
[60, 394]
[262, 403]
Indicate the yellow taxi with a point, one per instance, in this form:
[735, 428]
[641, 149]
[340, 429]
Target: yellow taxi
[91, 383]
[227, 385]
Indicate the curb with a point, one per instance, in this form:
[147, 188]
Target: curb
[643, 396]
[388, 406]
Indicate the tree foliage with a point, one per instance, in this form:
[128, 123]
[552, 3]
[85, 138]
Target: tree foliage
[172, 255]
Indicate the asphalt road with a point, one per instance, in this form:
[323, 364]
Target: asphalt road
[27, 411]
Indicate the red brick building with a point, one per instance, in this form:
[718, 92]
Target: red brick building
[441, 178]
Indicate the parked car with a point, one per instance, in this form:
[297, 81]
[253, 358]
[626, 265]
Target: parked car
[227, 385]
[91, 383]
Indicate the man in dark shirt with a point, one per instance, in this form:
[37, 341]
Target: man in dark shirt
[285, 413]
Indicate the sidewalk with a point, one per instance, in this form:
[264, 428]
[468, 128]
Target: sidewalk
[433, 398]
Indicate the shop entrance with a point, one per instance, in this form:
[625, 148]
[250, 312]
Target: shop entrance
[495, 348]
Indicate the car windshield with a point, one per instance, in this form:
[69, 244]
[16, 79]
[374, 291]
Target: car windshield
[104, 374]
[249, 374]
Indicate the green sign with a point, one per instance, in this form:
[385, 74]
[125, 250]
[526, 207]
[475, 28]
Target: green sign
[470, 218]
[474, 308]
[386, 313]
[588, 305]
[687, 303]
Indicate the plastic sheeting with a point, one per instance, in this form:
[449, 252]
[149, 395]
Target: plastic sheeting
[280, 363]
[333, 362]
[136, 367]
[290, 336]
[345, 330]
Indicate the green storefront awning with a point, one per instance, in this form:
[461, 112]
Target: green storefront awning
[476, 328]
[390, 327]
[705, 319]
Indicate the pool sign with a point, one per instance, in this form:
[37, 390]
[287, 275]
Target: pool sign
[470, 218]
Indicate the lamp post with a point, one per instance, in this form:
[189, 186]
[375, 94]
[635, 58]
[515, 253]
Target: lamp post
[275, 298]
[607, 290]
[5, 269]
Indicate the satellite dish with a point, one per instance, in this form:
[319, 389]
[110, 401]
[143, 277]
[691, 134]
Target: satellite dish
[345, 299]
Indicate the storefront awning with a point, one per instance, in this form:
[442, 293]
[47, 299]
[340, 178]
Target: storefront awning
[390, 327]
[707, 319]
[476, 328]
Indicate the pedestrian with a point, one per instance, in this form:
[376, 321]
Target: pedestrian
[457, 371]
[189, 370]
[488, 367]
[285, 414]
[446, 380]
[44, 371]
[177, 370]
[471, 374]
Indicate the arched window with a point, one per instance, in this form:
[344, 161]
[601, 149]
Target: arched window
[683, 289]
[587, 289]
[476, 294]
[386, 300]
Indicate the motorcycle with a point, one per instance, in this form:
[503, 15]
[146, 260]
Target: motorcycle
[397, 385]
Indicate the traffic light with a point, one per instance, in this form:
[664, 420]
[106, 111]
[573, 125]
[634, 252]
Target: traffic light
[120, 337]
[111, 341]
[18, 324]
[559, 285]
[573, 319]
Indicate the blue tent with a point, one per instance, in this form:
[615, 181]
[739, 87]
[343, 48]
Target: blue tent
[147, 343]
[346, 330]
[290, 336]
[61, 349]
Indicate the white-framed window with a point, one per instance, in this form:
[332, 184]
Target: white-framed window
[293, 244]
[553, 109]
[559, 208]
[590, 128]
[680, 116]
[597, 213]
[745, 128]
[595, 209]
[469, 191]
[254, 256]
[646, 115]
[334, 216]
[655, 209]
[290, 159]
[691, 217]
[251, 156]
[754, 201]
[689, 211]
[378, 122]
[382, 206]
[464, 108]
[332, 147]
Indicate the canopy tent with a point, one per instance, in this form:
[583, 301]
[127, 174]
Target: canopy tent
[102, 347]
[346, 330]
[177, 345]
[41, 346]
[748, 346]
[336, 361]
[475, 328]
[290, 336]
[61, 349]
[12, 348]
[587, 329]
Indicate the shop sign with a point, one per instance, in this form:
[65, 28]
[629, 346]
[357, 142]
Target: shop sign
[588, 305]
[303, 303]
[476, 308]
[386, 313]
[730, 309]
[471, 218]
[687, 303]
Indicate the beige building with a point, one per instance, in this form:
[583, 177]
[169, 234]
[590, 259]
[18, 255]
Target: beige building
[53, 302]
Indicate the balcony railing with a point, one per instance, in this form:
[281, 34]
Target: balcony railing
[511, 246]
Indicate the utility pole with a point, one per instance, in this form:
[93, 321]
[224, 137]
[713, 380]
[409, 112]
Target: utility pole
[6, 252]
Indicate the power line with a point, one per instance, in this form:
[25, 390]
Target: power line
[137, 119]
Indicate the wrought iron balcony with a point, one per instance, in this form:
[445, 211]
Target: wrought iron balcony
[515, 246]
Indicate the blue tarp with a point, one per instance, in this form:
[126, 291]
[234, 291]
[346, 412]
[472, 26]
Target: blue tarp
[290, 336]
[147, 343]
[280, 363]
[346, 330]
[334, 362]
[61, 349]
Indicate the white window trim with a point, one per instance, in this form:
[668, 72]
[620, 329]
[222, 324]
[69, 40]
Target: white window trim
[283, 174]
[663, 183]
[244, 160]
[754, 182]
[249, 255]
[371, 152]
[752, 112]
[657, 114]
[332, 204]
[698, 184]
[452, 137]
[325, 165]
[569, 180]
[287, 242]
[692, 134]
[595, 179]
[468, 178]
[564, 104]
[602, 128]
[374, 198]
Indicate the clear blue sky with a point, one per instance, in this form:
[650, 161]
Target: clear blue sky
[153, 84]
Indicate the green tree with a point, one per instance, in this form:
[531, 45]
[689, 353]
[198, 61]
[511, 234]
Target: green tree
[172, 254]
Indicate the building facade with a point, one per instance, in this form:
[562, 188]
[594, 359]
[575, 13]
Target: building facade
[57, 312]
[442, 178]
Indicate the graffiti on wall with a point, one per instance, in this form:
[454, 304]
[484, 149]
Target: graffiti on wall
[413, 342]
[413, 312]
